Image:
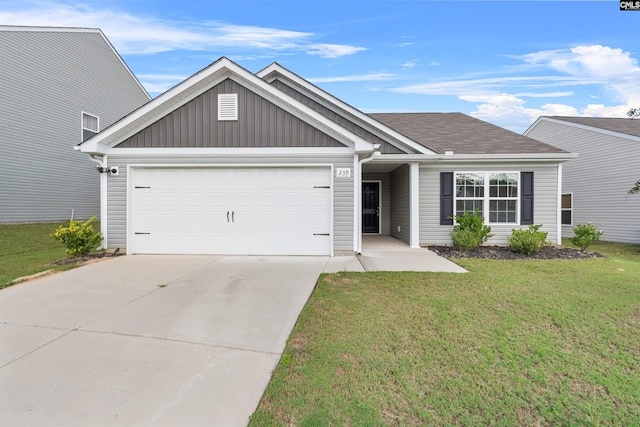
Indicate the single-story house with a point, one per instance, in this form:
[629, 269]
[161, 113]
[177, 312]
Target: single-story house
[595, 185]
[231, 162]
[58, 86]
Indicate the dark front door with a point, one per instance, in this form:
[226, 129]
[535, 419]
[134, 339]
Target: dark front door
[370, 207]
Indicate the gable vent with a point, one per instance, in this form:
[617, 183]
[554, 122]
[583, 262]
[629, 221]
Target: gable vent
[228, 106]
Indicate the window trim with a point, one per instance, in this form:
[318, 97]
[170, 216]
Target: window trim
[83, 128]
[570, 210]
[486, 198]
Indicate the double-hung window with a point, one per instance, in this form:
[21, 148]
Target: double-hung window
[90, 126]
[567, 209]
[492, 195]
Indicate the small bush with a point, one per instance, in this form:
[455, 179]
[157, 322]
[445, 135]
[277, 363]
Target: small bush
[79, 237]
[529, 241]
[469, 231]
[585, 235]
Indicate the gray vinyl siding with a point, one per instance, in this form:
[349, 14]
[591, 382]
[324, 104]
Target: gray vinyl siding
[48, 79]
[342, 190]
[339, 117]
[400, 204]
[260, 124]
[385, 198]
[545, 199]
[600, 177]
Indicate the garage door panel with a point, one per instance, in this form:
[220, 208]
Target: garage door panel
[266, 211]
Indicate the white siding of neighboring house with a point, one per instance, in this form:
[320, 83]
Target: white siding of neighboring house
[600, 177]
[48, 78]
[545, 199]
[342, 190]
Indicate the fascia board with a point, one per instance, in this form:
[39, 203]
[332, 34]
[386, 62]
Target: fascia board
[151, 111]
[236, 151]
[484, 158]
[330, 99]
[298, 109]
[199, 83]
[584, 127]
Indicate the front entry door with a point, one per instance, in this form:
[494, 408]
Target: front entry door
[371, 207]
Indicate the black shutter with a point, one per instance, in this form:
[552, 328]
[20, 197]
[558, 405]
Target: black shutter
[446, 198]
[526, 198]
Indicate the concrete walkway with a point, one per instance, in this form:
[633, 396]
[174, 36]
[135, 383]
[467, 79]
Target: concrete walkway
[384, 253]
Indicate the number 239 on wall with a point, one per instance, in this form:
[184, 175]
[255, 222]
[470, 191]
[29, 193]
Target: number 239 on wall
[343, 173]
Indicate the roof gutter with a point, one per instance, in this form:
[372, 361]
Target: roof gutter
[471, 158]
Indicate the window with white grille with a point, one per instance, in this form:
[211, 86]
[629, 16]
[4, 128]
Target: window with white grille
[90, 126]
[228, 106]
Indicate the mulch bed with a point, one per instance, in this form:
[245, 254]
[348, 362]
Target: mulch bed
[505, 252]
[85, 258]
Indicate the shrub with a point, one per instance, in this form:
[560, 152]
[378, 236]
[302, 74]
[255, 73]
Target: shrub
[469, 231]
[585, 235]
[79, 237]
[529, 241]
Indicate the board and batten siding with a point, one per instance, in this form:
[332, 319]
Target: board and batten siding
[600, 177]
[49, 77]
[400, 204]
[339, 118]
[545, 200]
[260, 124]
[342, 189]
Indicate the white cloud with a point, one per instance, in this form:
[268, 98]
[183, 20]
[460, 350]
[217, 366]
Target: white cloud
[503, 100]
[355, 78]
[410, 64]
[332, 50]
[132, 34]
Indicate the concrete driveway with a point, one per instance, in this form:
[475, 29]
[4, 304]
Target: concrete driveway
[149, 340]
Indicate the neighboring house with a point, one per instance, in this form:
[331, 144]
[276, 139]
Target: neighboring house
[595, 185]
[233, 162]
[58, 86]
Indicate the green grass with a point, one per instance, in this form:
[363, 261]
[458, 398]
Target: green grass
[27, 249]
[510, 343]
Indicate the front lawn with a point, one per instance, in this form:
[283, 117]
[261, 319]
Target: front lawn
[510, 343]
[27, 249]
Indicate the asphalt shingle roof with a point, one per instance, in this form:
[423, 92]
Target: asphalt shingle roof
[461, 134]
[626, 126]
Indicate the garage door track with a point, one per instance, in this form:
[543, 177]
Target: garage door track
[149, 340]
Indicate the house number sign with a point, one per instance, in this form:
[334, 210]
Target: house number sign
[343, 173]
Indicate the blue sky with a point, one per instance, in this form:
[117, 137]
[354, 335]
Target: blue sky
[506, 62]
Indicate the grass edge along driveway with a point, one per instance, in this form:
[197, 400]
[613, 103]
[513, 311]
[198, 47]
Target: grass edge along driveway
[510, 343]
[27, 249]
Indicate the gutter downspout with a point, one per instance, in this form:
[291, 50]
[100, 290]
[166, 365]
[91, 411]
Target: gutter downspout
[359, 195]
[100, 161]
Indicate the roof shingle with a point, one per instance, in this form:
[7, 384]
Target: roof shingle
[461, 134]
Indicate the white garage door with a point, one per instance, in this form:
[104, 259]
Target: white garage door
[253, 211]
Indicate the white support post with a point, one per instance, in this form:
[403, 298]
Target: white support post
[414, 204]
[559, 213]
[103, 205]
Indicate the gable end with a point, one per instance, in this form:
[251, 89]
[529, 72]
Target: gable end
[260, 123]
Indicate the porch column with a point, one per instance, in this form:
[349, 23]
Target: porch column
[414, 204]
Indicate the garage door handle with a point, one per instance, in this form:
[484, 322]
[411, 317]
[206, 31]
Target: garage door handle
[227, 216]
[321, 234]
[233, 214]
[140, 233]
